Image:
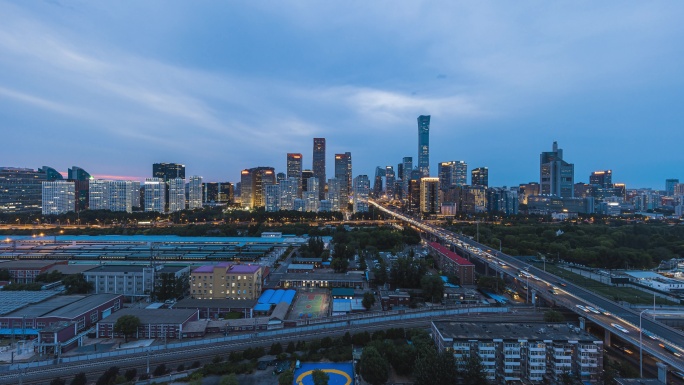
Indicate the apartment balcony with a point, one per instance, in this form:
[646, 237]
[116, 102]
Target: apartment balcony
[512, 356]
[589, 350]
[541, 350]
[512, 363]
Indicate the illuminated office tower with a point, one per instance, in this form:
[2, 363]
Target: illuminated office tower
[294, 170]
[406, 177]
[121, 194]
[288, 193]
[343, 176]
[377, 182]
[281, 176]
[429, 196]
[460, 173]
[306, 174]
[556, 176]
[319, 163]
[272, 193]
[98, 191]
[424, 145]
[334, 194]
[602, 178]
[253, 183]
[480, 177]
[155, 194]
[81, 180]
[389, 182]
[195, 192]
[670, 186]
[21, 189]
[453, 173]
[58, 197]
[167, 171]
[361, 193]
[350, 190]
[135, 194]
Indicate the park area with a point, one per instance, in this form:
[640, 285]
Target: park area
[311, 304]
[338, 373]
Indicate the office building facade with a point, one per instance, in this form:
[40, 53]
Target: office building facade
[480, 177]
[429, 196]
[272, 197]
[318, 165]
[343, 177]
[361, 193]
[294, 170]
[155, 194]
[195, 192]
[81, 179]
[424, 145]
[602, 178]
[334, 195]
[58, 197]
[556, 176]
[288, 192]
[167, 171]
[21, 190]
[670, 186]
[253, 183]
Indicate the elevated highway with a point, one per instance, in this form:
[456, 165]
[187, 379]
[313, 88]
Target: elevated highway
[659, 340]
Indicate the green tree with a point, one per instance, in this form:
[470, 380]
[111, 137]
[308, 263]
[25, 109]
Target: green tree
[108, 377]
[339, 265]
[276, 349]
[286, 378]
[79, 379]
[230, 379]
[433, 288]
[5, 275]
[290, 347]
[130, 374]
[474, 372]
[160, 370]
[368, 300]
[374, 368]
[77, 284]
[127, 325]
[320, 377]
[402, 359]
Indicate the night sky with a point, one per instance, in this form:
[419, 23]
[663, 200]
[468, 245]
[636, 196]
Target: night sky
[221, 86]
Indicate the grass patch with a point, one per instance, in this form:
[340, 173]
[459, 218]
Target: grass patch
[627, 294]
[232, 315]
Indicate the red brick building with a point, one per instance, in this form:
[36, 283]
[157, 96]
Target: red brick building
[453, 264]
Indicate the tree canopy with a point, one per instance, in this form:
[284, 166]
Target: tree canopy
[127, 325]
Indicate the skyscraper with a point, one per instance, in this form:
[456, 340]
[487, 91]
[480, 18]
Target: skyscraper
[377, 182]
[167, 171]
[21, 189]
[155, 196]
[288, 193]
[319, 163]
[334, 194]
[311, 197]
[81, 180]
[361, 192]
[58, 197]
[406, 177]
[670, 186]
[389, 182]
[272, 197]
[602, 178]
[480, 177]
[176, 194]
[556, 176]
[294, 170]
[453, 173]
[429, 196]
[424, 145]
[343, 176]
[195, 192]
[253, 182]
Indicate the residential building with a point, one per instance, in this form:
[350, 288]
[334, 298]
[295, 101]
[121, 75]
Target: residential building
[176, 194]
[429, 196]
[556, 176]
[523, 353]
[195, 192]
[424, 145]
[294, 170]
[319, 163]
[226, 280]
[361, 193]
[58, 197]
[155, 194]
[132, 281]
[480, 177]
[21, 189]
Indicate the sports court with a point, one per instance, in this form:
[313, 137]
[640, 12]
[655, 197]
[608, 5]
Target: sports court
[338, 373]
[310, 304]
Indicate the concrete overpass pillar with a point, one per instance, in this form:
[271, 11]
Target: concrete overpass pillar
[662, 372]
[606, 338]
[583, 323]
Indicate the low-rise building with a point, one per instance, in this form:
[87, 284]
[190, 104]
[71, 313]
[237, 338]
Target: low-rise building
[154, 323]
[530, 352]
[226, 281]
[217, 308]
[22, 271]
[453, 264]
[129, 280]
[390, 299]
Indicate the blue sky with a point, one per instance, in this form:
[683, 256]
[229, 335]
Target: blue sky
[220, 86]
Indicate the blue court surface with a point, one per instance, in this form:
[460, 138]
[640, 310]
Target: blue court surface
[339, 373]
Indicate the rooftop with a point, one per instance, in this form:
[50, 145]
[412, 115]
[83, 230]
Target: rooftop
[82, 306]
[13, 300]
[41, 308]
[154, 316]
[450, 254]
[189, 303]
[532, 331]
[230, 268]
[118, 269]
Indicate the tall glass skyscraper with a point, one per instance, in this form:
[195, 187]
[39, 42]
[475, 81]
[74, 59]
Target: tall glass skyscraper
[294, 170]
[343, 176]
[319, 164]
[424, 145]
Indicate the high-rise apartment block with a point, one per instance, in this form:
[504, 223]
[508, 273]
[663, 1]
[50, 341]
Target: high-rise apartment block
[155, 194]
[556, 176]
[480, 177]
[195, 192]
[176, 194]
[58, 197]
[319, 163]
[429, 195]
[294, 170]
[361, 193]
[602, 178]
[424, 145]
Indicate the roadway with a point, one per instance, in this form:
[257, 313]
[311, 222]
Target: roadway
[619, 320]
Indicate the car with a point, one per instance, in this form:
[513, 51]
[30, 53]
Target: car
[620, 328]
[584, 309]
[591, 309]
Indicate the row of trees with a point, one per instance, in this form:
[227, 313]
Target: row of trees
[616, 245]
[73, 284]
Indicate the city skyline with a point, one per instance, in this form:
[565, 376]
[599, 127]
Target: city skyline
[100, 87]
